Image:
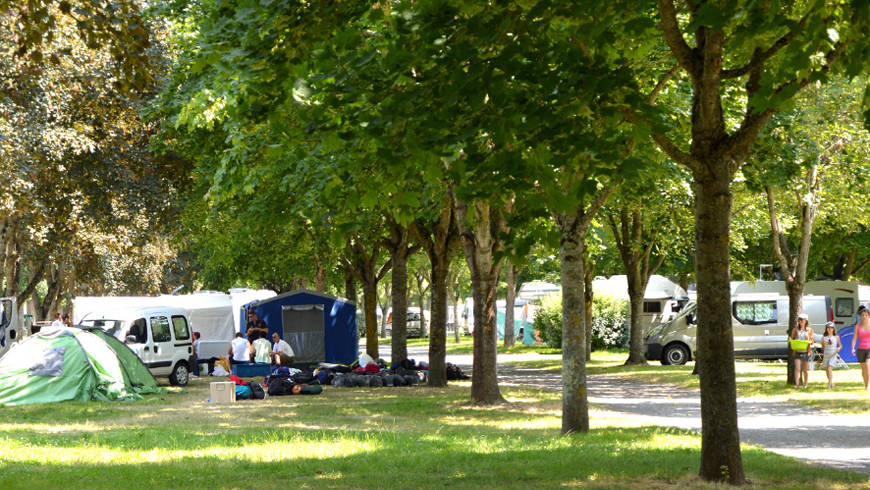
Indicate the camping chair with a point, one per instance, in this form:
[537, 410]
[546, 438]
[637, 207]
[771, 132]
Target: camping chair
[814, 359]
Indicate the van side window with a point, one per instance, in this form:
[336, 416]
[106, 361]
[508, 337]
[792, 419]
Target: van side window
[160, 329]
[179, 326]
[755, 312]
[137, 330]
[652, 307]
[845, 306]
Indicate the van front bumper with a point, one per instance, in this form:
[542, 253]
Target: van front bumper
[654, 352]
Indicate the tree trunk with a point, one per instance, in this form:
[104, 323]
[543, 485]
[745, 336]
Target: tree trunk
[481, 241]
[575, 405]
[511, 272]
[636, 290]
[589, 299]
[440, 240]
[720, 441]
[399, 340]
[350, 287]
[370, 305]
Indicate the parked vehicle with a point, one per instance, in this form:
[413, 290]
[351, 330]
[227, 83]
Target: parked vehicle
[846, 296]
[759, 322]
[159, 335]
[662, 298]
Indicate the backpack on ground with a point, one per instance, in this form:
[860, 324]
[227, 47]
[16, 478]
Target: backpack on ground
[257, 391]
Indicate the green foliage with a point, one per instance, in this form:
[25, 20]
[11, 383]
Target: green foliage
[609, 321]
[548, 320]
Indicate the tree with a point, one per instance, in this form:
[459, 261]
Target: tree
[766, 53]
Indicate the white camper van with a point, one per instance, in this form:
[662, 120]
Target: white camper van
[759, 322]
[662, 298]
[159, 335]
[846, 296]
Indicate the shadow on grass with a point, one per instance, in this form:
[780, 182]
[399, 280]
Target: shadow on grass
[470, 459]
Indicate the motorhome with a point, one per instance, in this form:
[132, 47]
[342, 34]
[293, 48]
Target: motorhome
[846, 296]
[662, 298]
[759, 322]
[159, 335]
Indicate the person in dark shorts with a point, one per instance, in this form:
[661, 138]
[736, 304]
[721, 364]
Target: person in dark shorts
[861, 337]
[801, 357]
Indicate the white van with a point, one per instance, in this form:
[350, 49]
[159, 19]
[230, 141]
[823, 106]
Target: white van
[159, 335]
[846, 296]
[10, 331]
[759, 322]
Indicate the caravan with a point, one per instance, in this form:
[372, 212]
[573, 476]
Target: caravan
[759, 322]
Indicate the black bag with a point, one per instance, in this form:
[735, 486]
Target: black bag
[454, 373]
[257, 391]
[304, 378]
[280, 385]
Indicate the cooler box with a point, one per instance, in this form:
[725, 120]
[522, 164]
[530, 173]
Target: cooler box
[223, 392]
[252, 370]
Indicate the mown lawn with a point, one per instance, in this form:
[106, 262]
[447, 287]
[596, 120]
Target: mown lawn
[358, 438]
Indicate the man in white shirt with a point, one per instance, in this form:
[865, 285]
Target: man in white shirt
[282, 353]
[240, 349]
[58, 322]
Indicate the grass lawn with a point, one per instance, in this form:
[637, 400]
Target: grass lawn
[754, 379]
[466, 346]
[357, 438]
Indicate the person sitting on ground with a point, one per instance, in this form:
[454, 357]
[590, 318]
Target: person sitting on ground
[261, 348]
[282, 353]
[240, 349]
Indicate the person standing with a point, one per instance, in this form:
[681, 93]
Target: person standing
[802, 356]
[861, 337]
[196, 336]
[832, 345]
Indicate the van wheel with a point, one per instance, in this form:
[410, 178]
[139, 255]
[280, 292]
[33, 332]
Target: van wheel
[675, 354]
[180, 374]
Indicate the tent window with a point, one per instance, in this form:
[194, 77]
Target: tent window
[179, 325]
[50, 364]
[160, 329]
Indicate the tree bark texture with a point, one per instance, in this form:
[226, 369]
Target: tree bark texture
[575, 404]
[720, 441]
[364, 264]
[589, 297]
[480, 241]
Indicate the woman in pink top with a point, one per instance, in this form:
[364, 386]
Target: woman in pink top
[861, 336]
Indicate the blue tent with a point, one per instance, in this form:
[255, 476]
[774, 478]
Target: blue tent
[318, 326]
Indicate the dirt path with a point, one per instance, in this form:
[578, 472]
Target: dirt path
[840, 441]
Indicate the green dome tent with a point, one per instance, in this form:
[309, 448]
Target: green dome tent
[72, 364]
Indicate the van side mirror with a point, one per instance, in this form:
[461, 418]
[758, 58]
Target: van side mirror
[690, 318]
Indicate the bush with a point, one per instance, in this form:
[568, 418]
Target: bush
[548, 320]
[609, 322]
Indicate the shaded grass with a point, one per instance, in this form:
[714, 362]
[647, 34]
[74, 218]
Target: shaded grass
[352, 438]
[754, 380]
[466, 346]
